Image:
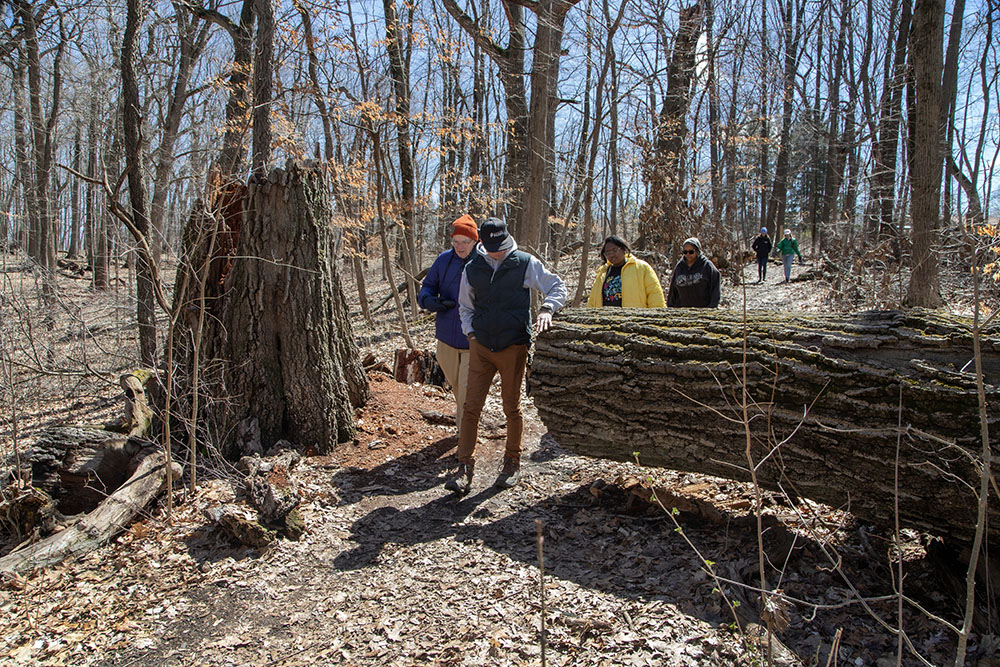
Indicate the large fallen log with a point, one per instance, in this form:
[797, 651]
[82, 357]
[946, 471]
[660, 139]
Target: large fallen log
[825, 395]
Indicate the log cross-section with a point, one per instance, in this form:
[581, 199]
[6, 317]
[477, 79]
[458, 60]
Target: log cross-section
[825, 395]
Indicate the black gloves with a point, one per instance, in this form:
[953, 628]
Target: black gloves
[436, 304]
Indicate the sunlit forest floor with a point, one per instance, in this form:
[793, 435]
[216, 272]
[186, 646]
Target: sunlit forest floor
[394, 571]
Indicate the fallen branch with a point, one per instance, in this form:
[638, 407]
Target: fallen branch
[100, 525]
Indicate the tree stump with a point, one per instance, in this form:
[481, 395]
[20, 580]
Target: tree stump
[825, 395]
[293, 360]
[410, 366]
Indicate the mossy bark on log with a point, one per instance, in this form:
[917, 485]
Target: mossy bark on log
[294, 362]
[825, 395]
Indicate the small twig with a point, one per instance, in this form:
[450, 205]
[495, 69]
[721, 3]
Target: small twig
[541, 583]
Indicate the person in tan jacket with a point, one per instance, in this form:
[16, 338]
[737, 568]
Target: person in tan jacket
[624, 281]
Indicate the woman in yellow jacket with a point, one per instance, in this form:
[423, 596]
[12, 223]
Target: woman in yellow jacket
[624, 281]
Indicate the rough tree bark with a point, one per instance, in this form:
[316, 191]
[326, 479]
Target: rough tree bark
[664, 213]
[825, 397]
[263, 84]
[132, 129]
[295, 365]
[925, 168]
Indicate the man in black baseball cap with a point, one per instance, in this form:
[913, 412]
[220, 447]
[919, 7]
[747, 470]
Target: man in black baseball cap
[494, 235]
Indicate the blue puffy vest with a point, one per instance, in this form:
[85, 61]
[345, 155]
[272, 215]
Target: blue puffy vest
[502, 316]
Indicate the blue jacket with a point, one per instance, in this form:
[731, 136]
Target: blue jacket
[443, 280]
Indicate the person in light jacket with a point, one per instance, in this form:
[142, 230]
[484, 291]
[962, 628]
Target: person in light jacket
[788, 248]
[624, 281]
[439, 294]
[696, 282]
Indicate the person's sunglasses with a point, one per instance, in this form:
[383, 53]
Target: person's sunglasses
[690, 252]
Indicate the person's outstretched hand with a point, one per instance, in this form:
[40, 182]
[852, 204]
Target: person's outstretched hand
[544, 321]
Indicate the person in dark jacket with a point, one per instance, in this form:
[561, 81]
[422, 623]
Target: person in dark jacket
[495, 306]
[762, 246]
[439, 293]
[696, 282]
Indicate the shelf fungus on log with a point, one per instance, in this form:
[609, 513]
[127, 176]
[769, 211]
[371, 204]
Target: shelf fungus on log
[828, 398]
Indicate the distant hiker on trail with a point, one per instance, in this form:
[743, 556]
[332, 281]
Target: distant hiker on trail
[788, 248]
[696, 282]
[439, 293]
[762, 246]
[624, 281]
[495, 307]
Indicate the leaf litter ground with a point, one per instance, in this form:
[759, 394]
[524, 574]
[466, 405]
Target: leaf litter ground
[393, 570]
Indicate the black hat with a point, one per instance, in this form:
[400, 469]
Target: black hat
[494, 235]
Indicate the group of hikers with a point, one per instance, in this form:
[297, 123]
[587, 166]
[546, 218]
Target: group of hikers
[481, 292]
[787, 247]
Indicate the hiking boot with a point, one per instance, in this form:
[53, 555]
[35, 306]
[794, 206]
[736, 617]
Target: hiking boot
[510, 474]
[462, 481]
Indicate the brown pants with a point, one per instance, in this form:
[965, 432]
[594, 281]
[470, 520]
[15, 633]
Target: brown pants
[483, 366]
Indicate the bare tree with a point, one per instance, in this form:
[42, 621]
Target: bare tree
[192, 36]
[132, 126]
[399, 70]
[926, 47]
[665, 211]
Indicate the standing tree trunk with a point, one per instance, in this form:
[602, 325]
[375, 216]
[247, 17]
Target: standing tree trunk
[925, 181]
[263, 75]
[884, 153]
[21, 163]
[237, 113]
[551, 19]
[97, 233]
[777, 202]
[664, 212]
[835, 153]
[132, 125]
[42, 245]
[399, 70]
[295, 365]
[76, 222]
[714, 113]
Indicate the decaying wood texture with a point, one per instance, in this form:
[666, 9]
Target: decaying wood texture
[94, 529]
[825, 396]
[115, 473]
[79, 466]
